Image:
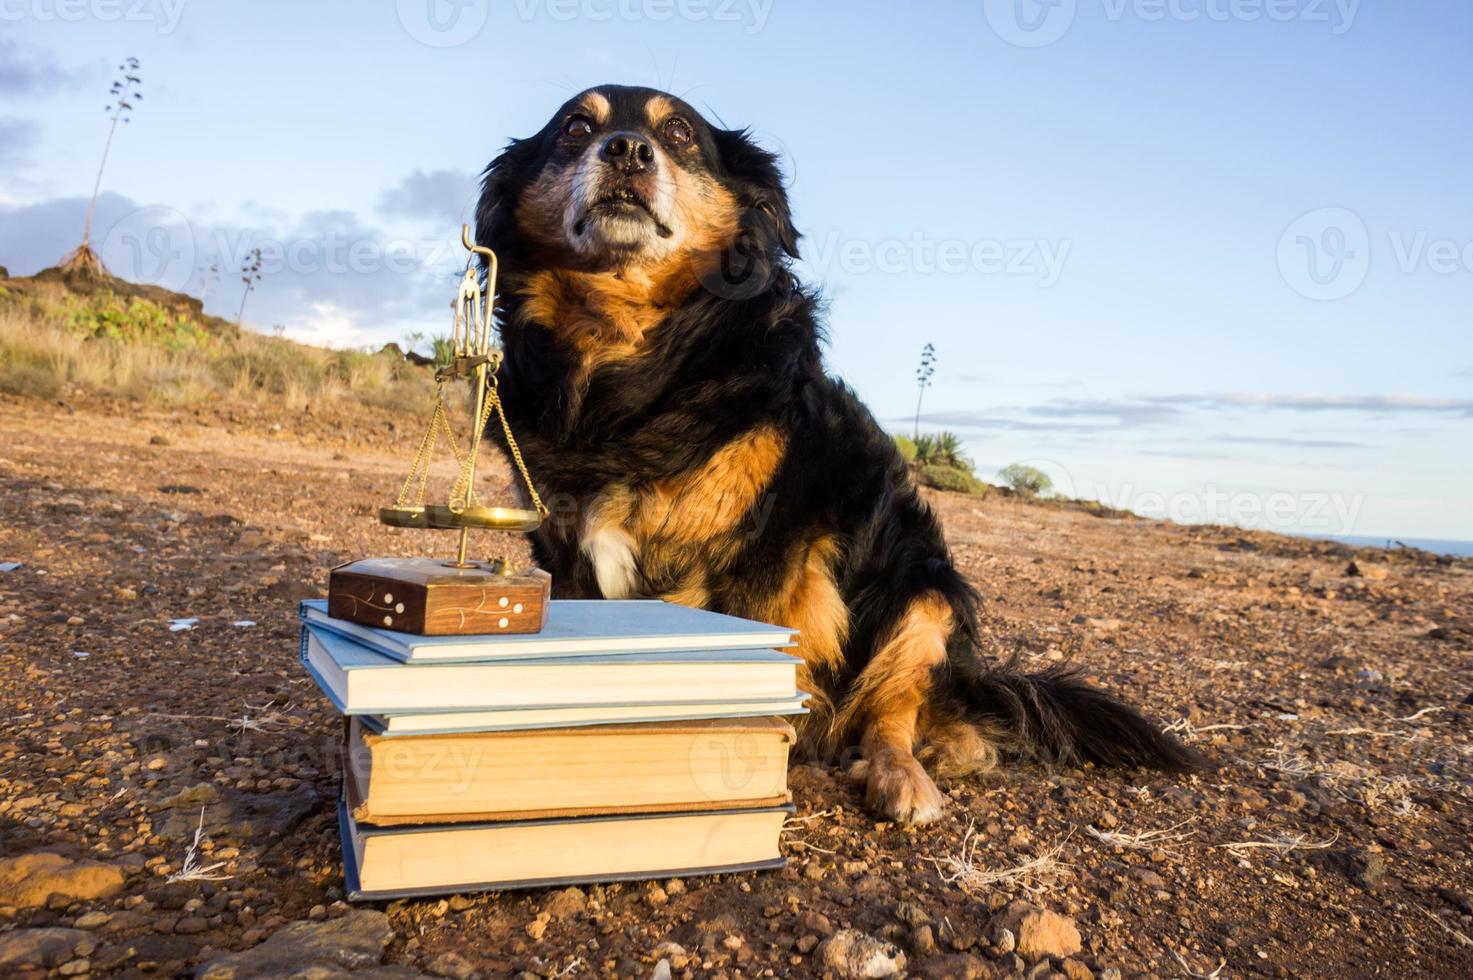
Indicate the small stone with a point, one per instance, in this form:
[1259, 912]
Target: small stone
[674, 953]
[353, 942]
[565, 904]
[816, 922]
[656, 896]
[1039, 932]
[1364, 868]
[807, 943]
[29, 880]
[39, 947]
[1149, 878]
[189, 925]
[538, 926]
[912, 914]
[923, 940]
[1075, 970]
[92, 920]
[157, 441]
[674, 887]
[317, 913]
[451, 965]
[661, 971]
[1367, 571]
[1456, 899]
[960, 933]
[851, 953]
[1004, 941]
[960, 966]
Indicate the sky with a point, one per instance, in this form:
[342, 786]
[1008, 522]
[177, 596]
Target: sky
[1200, 259]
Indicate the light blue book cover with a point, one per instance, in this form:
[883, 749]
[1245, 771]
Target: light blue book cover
[636, 679]
[575, 627]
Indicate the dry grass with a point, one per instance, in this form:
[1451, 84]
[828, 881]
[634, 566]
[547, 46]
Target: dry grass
[58, 344]
[1281, 844]
[193, 869]
[1144, 840]
[1353, 782]
[1189, 732]
[1035, 876]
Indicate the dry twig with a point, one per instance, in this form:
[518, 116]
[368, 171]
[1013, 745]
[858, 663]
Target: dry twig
[1193, 973]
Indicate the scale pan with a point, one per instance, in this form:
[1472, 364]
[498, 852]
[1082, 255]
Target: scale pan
[403, 516]
[492, 518]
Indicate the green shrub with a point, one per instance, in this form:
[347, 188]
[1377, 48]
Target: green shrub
[1026, 480]
[951, 478]
[132, 321]
[907, 448]
[942, 449]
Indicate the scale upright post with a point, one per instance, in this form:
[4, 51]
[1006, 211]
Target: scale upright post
[463, 596]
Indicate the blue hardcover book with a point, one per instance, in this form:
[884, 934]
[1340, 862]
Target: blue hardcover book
[575, 628]
[363, 681]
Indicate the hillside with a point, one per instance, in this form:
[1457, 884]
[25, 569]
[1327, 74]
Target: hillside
[119, 345]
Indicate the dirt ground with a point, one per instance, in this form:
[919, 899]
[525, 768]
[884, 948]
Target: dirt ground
[1333, 839]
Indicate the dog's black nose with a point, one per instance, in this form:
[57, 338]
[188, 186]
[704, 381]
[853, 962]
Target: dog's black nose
[629, 152]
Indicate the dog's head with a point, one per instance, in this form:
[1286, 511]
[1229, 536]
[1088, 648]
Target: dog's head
[626, 179]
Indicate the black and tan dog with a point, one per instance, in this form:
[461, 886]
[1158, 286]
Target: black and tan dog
[663, 371]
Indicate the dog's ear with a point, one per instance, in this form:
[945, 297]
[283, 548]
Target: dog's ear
[502, 181]
[758, 181]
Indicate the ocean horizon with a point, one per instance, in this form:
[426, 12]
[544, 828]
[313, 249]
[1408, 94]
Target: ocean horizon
[1438, 546]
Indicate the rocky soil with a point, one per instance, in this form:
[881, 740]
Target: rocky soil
[167, 772]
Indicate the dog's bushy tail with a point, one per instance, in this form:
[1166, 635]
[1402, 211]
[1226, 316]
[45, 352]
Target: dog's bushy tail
[1054, 716]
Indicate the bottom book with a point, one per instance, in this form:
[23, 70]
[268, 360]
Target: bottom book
[397, 862]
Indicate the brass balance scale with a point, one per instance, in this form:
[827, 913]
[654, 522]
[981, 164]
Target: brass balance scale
[462, 596]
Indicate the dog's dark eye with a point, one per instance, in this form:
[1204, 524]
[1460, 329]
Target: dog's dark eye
[677, 131]
[578, 128]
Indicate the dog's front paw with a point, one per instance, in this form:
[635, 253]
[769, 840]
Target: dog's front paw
[899, 788]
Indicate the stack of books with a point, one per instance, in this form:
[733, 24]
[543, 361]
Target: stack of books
[627, 739]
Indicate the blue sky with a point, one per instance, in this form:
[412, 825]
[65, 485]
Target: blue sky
[1210, 259]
